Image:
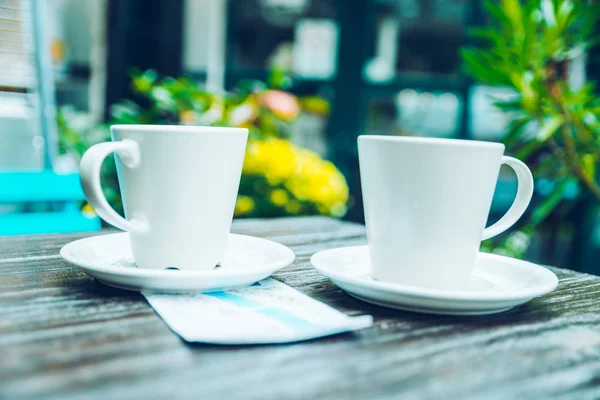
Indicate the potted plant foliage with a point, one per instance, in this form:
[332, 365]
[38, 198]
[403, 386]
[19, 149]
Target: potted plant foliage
[278, 178]
[529, 46]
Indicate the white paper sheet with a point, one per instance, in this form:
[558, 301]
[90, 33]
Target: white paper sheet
[266, 312]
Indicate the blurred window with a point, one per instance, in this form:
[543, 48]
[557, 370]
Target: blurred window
[16, 60]
[417, 37]
[416, 113]
[266, 29]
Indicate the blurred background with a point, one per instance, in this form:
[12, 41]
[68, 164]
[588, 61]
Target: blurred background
[306, 76]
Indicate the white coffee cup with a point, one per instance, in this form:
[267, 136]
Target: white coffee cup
[179, 185]
[426, 203]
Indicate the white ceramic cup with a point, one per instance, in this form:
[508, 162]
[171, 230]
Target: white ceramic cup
[426, 203]
[179, 185]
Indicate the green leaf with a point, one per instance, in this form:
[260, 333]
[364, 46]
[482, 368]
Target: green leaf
[478, 64]
[549, 204]
[529, 34]
[509, 105]
[278, 78]
[565, 13]
[548, 13]
[588, 161]
[486, 34]
[515, 131]
[549, 127]
[512, 8]
[143, 82]
[529, 148]
[497, 13]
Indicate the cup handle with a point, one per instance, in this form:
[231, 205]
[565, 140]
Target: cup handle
[89, 173]
[524, 193]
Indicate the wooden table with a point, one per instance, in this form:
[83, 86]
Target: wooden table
[63, 335]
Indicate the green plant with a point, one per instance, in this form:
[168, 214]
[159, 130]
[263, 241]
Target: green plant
[76, 134]
[528, 46]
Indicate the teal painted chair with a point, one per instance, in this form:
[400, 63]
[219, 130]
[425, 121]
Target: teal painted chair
[59, 196]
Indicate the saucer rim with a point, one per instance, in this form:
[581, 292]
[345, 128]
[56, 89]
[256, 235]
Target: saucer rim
[434, 310]
[550, 281]
[159, 273]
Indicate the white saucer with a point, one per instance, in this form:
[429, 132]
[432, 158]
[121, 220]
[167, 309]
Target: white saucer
[499, 284]
[108, 259]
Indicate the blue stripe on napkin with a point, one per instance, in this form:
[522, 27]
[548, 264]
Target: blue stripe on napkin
[277, 314]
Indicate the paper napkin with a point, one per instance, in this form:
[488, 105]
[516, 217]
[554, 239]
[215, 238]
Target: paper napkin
[266, 312]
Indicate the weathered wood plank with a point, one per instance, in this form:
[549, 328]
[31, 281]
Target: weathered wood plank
[64, 335]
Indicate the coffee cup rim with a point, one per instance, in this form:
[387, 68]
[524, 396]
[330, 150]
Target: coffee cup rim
[153, 128]
[430, 141]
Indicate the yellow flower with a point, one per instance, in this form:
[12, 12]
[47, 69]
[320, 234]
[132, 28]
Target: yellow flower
[187, 117]
[272, 158]
[88, 211]
[306, 176]
[316, 105]
[318, 182]
[244, 205]
[339, 209]
[283, 104]
[293, 207]
[279, 197]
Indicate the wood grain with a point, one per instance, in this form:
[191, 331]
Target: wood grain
[62, 335]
